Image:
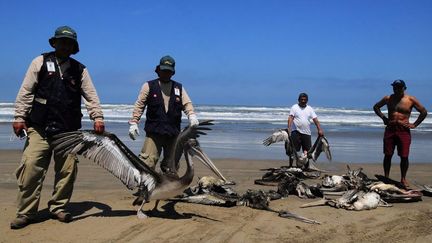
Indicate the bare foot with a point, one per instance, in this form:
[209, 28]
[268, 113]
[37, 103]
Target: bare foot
[405, 183]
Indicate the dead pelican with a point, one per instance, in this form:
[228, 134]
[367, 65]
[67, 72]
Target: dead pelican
[308, 191]
[259, 200]
[367, 201]
[352, 200]
[391, 193]
[321, 145]
[110, 153]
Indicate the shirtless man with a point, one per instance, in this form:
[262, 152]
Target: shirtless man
[397, 133]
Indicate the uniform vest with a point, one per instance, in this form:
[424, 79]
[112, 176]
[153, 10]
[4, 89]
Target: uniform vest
[158, 121]
[57, 101]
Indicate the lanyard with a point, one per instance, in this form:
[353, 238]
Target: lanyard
[59, 67]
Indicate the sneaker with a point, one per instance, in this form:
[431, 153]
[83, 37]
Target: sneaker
[20, 221]
[62, 216]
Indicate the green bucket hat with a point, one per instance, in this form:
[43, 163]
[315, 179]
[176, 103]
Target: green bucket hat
[167, 63]
[65, 32]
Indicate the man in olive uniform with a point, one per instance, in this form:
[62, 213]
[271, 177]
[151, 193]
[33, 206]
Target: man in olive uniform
[165, 100]
[49, 103]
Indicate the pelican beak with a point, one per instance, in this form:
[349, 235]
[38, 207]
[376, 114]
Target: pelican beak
[197, 152]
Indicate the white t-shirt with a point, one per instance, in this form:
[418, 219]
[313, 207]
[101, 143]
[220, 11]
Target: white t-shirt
[302, 116]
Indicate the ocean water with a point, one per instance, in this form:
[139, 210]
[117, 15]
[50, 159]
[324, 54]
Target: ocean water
[355, 135]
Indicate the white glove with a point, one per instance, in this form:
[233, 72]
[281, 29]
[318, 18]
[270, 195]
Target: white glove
[193, 120]
[133, 130]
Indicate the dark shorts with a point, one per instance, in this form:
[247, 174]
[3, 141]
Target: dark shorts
[300, 140]
[396, 136]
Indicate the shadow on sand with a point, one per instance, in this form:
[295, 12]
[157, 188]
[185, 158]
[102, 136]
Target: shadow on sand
[79, 209]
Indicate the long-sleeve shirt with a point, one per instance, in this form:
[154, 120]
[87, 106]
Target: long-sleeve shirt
[24, 99]
[141, 103]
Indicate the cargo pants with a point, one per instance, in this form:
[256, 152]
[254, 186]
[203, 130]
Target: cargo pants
[32, 171]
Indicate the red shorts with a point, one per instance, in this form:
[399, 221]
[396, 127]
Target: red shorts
[397, 136]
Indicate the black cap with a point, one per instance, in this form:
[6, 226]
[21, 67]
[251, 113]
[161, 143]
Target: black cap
[399, 83]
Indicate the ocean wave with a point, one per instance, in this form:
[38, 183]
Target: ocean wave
[121, 113]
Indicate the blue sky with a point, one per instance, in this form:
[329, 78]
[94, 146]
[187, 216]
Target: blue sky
[342, 53]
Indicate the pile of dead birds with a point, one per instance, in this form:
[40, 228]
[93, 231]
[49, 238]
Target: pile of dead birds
[289, 180]
[212, 191]
[353, 190]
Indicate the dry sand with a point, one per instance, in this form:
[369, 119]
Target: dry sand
[103, 212]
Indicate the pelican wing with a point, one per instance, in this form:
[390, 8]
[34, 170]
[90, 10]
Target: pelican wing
[290, 150]
[316, 149]
[282, 135]
[321, 145]
[188, 133]
[192, 133]
[110, 153]
[326, 148]
[278, 136]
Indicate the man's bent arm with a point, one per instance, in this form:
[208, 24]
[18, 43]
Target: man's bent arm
[423, 112]
[377, 109]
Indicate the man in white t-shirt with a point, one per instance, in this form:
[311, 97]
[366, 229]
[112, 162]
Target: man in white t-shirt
[299, 125]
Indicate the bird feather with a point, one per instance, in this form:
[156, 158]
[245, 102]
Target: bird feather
[110, 153]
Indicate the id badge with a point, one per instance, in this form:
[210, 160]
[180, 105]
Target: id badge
[50, 66]
[177, 91]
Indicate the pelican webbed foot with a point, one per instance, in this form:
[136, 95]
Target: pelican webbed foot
[142, 198]
[141, 214]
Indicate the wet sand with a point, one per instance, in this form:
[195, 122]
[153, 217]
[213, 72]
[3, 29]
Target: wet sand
[102, 209]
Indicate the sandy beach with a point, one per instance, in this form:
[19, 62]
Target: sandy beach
[102, 209]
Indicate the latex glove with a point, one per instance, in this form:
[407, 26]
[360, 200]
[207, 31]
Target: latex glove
[99, 127]
[193, 120]
[18, 128]
[133, 130]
